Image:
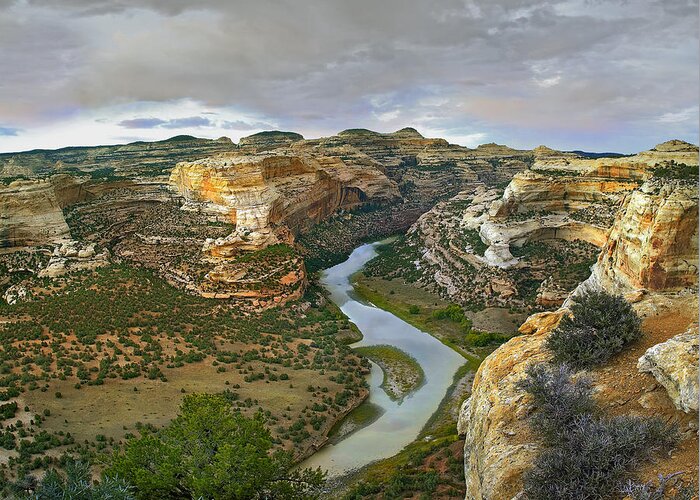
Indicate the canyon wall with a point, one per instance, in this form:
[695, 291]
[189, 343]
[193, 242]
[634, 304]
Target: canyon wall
[31, 211]
[652, 250]
[653, 244]
[269, 197]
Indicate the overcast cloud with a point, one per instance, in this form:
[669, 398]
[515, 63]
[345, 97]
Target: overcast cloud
[592, 74]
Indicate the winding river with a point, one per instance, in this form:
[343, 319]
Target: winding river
[400, 424]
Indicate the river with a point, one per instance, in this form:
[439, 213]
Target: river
[400, 424]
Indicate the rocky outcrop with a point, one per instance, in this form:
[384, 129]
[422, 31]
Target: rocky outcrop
[653, 244]
[263, 141]
[30, 214]
[533, 191]
[633, 167]
[650, 254]
[73, 256]
[674, 364]
[269, 196]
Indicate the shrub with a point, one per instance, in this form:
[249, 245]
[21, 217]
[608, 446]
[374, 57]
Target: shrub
[649, 491]
[595, 457]
[586, 455]
[559, 399]
[601, 326]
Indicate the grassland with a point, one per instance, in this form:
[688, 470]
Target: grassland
[421, 308]
[402, 373]
[98, 355]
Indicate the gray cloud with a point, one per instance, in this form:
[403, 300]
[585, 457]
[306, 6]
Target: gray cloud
[142, 123]
[521, 71]
[9, 131]
[191, 122]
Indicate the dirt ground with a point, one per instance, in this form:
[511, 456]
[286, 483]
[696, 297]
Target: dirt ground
[114, 408]
[627, 391]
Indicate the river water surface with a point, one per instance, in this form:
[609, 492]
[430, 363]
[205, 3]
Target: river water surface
[400, 424]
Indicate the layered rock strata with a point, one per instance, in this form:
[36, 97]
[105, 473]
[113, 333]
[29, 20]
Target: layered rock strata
[266, 197]
[651, 246]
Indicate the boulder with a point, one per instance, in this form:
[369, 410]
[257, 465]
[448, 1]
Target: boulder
[674, 364]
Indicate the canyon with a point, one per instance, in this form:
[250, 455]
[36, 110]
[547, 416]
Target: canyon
[245, 227]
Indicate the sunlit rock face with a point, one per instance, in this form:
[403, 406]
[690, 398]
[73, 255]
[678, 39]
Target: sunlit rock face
[654, 242]
[674, 364]
[271, 197]
[31, 211]
[649, 254]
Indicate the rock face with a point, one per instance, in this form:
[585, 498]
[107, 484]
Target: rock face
[266, 197]
[654, 241]
[499, 446]
[674, 364]
[650, 253]
[30, 214]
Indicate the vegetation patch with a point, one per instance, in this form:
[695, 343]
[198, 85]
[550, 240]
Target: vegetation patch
[587, 455]
[601, 326]
[402, 373]
[677, 171]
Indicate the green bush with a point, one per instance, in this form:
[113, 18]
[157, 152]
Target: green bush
[601, 326]
[209, 451]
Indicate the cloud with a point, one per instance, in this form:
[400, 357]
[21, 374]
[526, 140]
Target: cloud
[243, 125]
[142, 123]
[683, 115]
[189, 122]
[192, 122]
[522, 70]
[9, 131]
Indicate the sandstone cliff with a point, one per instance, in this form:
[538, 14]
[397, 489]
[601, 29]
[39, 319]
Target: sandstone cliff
[652, 246]
[266, 197]
[31, 211]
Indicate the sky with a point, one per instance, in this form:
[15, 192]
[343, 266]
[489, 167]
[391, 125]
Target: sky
[598, 75]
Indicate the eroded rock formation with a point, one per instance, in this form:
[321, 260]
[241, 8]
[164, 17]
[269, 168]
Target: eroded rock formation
[653, 243]
[650, 254]
[31, 211]
[266, 197]
[674, 364]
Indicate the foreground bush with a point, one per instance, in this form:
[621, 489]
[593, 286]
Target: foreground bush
[586, 456]
[75, 484]
[559, 399]
[209, 451]
[660, 491]
[601, 326]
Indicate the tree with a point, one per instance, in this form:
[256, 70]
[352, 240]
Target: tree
[76, 484]
[210, 451]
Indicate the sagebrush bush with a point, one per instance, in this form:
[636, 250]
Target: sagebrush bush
[595, 456]
[559, 398]
[586, 455]
[602, 324]
[668, 488]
